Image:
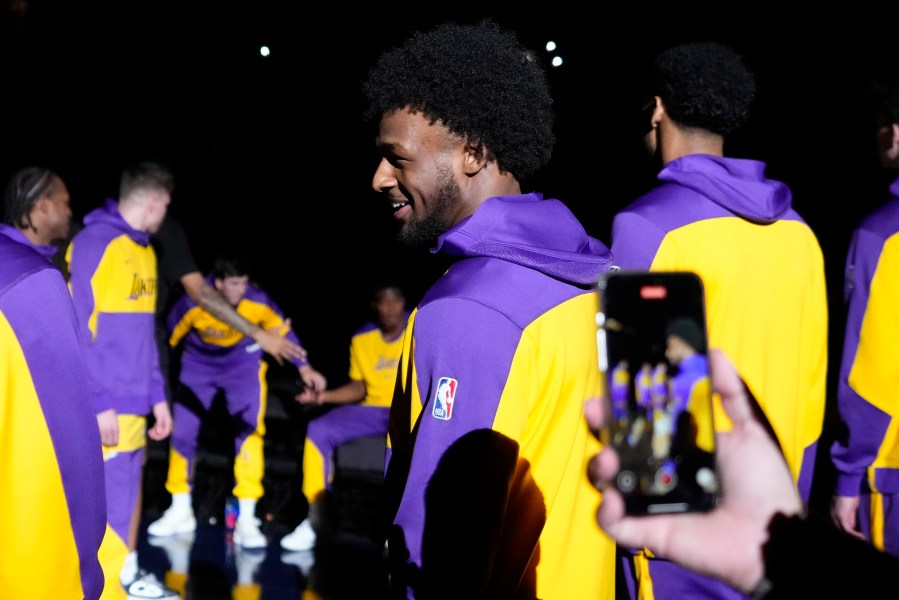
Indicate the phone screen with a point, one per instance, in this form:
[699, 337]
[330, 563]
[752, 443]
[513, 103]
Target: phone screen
[653, 351]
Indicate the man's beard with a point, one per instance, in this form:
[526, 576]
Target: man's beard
[424, 232]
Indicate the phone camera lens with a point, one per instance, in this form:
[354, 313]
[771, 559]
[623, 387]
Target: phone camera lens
[627, 481]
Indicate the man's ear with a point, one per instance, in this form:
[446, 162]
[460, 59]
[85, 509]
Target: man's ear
[888, 143]
[42, 205]
[658, 113]
[474, 158]
[894, 139]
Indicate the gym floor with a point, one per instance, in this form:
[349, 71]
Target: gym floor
[349, 561]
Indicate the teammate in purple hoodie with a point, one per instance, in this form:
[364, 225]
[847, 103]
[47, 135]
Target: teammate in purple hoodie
[52, 518]
[113, 283]
[866, 501]
[761, 264]
[487, 446]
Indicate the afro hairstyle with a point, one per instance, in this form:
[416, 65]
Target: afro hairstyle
[479, 82]
[704, 85]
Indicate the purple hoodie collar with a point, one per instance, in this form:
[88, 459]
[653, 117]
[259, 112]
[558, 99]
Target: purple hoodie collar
[738, 185]
[109, 214]
[13, 233]
[527, 230]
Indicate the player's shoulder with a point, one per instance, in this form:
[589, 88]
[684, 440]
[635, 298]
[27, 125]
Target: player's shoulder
[19, 262]
[366, 329]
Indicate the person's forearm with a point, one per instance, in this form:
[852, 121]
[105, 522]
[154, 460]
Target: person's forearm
[354, 391]
[209, 299]
[215, 304]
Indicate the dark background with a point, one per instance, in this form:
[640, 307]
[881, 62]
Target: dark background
[271, 155]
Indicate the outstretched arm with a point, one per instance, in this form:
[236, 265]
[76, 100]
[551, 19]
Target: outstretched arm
[213, 302]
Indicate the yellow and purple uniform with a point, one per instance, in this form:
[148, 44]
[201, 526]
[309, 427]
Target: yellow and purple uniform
[867, 459]
[52, 513]
[113, 286]
[373, 361]
[216, 358]
[487, 442]
[763, 272]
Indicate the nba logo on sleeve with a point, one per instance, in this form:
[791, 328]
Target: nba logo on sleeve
[444, 398]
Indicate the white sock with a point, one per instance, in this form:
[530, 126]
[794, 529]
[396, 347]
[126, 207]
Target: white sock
[246, 509]
[129, 569]
[181, 500]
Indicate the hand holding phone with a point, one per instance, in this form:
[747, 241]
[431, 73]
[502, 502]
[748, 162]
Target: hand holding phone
[653, 350]
[755, 482]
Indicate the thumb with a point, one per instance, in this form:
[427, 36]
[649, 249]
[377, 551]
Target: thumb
[727, 383]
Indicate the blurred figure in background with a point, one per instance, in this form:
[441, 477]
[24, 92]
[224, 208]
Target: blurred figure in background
[218, 359]
[113, 284]
[53, 510]
[360, 407]
[760, 263]
[866, 500]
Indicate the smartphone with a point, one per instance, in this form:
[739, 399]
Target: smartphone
[653, 351]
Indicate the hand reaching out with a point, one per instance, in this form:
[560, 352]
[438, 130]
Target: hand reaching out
[274, 343]
[314, 384]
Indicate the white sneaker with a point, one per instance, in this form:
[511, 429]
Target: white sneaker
[247, 533]
[173, 521]
[300, 539]
[147, 586]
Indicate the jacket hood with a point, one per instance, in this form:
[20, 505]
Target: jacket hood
[109, 214]
[532, 232]
[13, 233]
[738, 185]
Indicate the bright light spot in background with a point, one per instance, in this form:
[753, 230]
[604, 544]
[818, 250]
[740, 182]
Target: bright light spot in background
[551, 47]
[264, 51]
